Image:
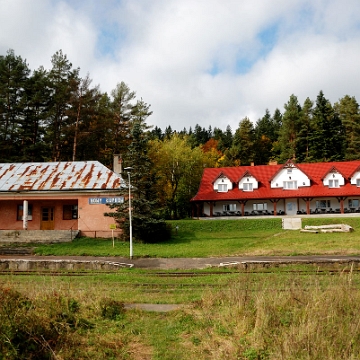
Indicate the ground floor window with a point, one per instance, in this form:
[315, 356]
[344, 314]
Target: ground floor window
[20, 212]
[70, 212]
[229, 207]
[260, 206]
[322, 204]
[353, 203]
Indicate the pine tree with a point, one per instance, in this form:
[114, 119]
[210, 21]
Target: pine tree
[147, 224]
[264, 133]
[14, 73]
[327, 136]
[225, 138]
[122, 106]
[243, 142]
[302, 145]
[349, 113]
[289, 130]
[63, 82]
[33, 146]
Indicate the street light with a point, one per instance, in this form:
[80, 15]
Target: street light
[128, 170]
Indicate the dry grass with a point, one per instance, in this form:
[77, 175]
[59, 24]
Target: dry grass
[251, 316]
[298, 321]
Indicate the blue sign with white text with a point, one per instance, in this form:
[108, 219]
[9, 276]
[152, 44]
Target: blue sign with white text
[106, 200]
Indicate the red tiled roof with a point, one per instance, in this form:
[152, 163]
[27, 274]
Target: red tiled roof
[247, 173]
[333, 170]
[286, 165]
[264, 174]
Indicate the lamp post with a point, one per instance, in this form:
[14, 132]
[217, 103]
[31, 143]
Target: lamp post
[128, 170]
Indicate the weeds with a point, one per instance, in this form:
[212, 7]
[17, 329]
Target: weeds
[249, 316]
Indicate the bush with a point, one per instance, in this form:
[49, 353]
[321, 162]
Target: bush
[112, 309]
[24, 334]
[148, 230]
[35, 330]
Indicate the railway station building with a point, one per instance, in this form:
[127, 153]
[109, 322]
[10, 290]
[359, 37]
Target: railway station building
[60, 196]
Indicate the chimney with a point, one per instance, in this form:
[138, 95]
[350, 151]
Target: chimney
[117, 167]
[272, 162]
[252, 164]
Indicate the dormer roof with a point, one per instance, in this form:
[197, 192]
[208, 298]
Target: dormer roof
[354, 172]
[247, 173]
[220, 175]
[289, 164]
[332, 170]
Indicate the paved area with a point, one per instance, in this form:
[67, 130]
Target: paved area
[194, 263]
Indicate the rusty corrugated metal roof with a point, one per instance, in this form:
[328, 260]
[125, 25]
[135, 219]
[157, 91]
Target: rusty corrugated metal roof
[52, 176]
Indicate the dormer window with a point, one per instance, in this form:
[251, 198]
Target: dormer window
[248, 187]
[358, 182]
[222, 187]
[289, 177]
[290, 185]
[333, 183]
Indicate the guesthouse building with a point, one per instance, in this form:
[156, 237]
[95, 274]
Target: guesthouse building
[287, 189]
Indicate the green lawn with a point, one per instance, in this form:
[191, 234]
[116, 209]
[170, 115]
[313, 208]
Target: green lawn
[224, 238]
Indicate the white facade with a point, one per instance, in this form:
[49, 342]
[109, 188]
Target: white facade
[333, 180]
[248, 183]
[290, 178]
[355, 179]
[222, 184]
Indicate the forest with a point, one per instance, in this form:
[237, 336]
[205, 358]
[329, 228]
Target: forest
[57, 115]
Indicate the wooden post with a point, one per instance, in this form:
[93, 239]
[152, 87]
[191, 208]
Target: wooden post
[211, 209]
[342, 205]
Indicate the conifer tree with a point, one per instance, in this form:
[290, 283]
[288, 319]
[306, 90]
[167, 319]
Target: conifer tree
[33, 146]
[14, 73]
[147, 224]
[63, 81]
[349, 113]
[121, 106]
[243, 142]
[264, 133]
[302, 145]
[289, 130]
[327, 138]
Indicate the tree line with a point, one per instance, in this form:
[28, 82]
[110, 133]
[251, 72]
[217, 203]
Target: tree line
[57, 115]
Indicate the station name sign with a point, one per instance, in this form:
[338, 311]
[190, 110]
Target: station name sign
[106, 200]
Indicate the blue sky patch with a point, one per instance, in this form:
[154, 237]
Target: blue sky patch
[268, 39]
[244, 65]
[109, 39]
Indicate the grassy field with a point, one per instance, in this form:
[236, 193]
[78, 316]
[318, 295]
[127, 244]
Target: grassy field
[225, 238]
[284, 313]
[287, 312]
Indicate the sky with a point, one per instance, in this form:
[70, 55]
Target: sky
[205, 62]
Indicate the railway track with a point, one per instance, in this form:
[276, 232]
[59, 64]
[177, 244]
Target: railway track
[180, 274]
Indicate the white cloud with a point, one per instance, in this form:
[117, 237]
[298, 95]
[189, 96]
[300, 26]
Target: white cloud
[183, 57]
